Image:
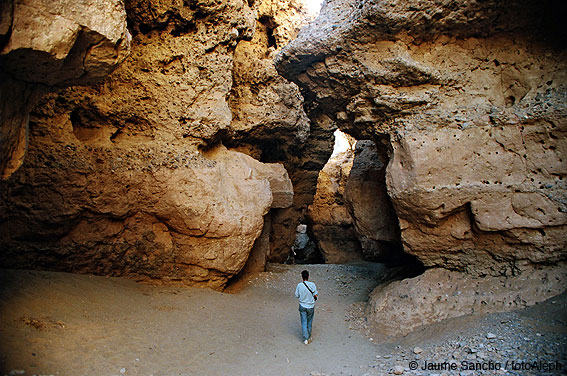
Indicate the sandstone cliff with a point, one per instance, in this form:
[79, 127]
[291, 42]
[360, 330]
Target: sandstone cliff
[470, 100]
[129, 176]
[46, 45]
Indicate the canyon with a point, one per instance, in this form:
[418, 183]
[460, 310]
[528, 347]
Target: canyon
[182, 142]
[466, 103]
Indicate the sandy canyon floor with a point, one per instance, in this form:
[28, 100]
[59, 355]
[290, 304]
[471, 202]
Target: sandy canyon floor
[66, 324]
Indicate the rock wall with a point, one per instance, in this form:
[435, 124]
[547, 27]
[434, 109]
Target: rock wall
[375, 222]
[269, 121]
[471, 102]
[46, 45]
[149, 212]
[130, 176]
[476, 127]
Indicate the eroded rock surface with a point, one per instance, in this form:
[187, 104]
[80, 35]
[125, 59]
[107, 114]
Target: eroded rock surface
[375, 222]
[45, 45]
[471, 101]
[130, 176]
[268, 121]
[331, 221]
[352, 214]
[476, 125]
[155, 212]
[438, 294]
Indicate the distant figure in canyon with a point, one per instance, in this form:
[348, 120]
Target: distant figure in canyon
[307, 293]
[304, 250]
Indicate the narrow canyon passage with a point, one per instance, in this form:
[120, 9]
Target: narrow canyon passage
[352, 217]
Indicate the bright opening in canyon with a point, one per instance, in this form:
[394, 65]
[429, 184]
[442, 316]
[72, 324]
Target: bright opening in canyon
[342, 143]
[313, 6]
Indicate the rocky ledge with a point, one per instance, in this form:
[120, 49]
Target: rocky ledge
[47, 45]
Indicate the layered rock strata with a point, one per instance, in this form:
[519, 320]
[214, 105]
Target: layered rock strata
[471, 101]
[130, 176]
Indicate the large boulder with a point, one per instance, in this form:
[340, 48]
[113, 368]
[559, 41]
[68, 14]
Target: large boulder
[398, 308]
[156, 213]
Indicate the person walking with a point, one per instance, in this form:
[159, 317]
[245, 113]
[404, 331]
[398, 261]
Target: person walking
[307, 293]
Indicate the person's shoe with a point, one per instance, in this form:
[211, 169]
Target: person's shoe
[306, 342]
[310, 340]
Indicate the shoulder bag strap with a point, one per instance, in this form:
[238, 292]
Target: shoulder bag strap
[308, 288]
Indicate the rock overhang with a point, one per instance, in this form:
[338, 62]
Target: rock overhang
[469, 97]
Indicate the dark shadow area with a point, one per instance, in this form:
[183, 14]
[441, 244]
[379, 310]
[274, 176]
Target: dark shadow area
[304, 249]
[270, 25]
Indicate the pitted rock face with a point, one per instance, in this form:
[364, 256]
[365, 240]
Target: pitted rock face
[398, 308]
[62, 43]
[130, 177]
[342, 22]
[268, 118]
[46, 45]
[472, 101]
[158, 213]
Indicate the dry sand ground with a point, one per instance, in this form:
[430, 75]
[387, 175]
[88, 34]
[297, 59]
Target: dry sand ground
[66, 324]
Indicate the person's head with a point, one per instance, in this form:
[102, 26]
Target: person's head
[305, 275]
